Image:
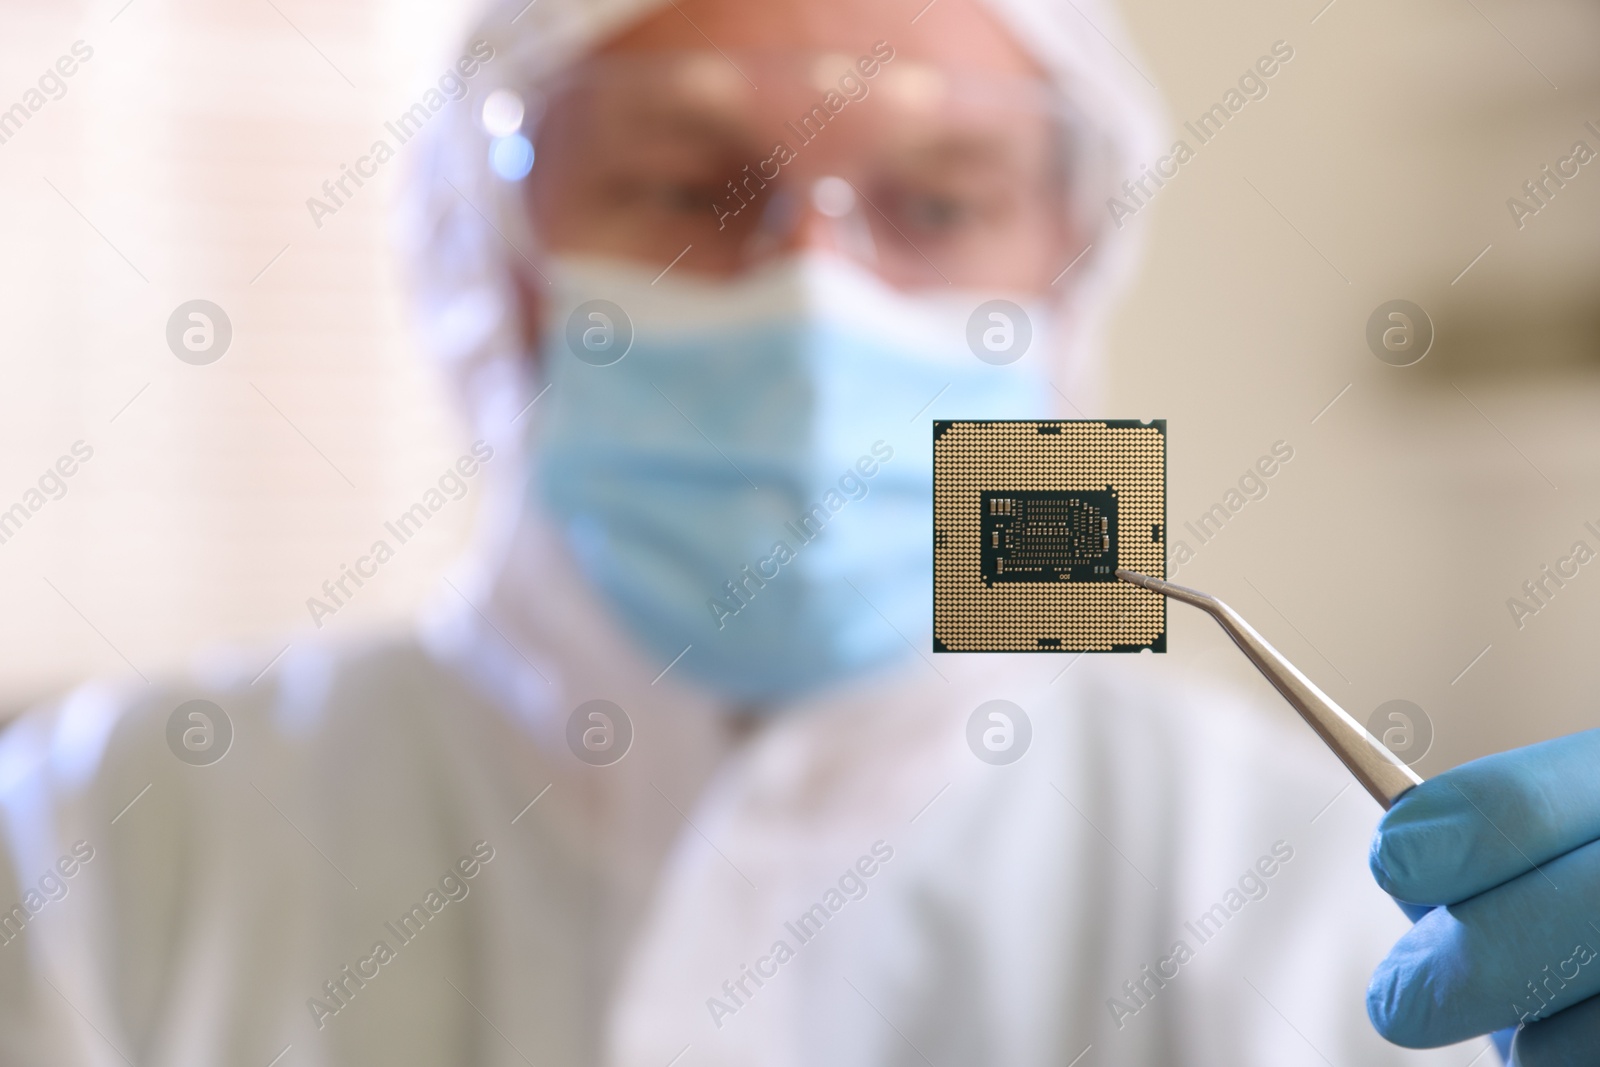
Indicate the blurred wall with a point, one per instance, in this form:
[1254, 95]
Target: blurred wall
[177, 164]
[1377, 167]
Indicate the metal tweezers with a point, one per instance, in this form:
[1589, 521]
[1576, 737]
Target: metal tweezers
[1380, 771]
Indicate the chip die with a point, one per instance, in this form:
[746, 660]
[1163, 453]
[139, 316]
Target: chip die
[1032, 520]
[1045, 535]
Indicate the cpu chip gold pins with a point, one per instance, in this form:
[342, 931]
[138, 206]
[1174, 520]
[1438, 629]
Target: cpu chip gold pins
[1032, 520]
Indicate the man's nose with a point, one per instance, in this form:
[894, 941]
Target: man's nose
[822, 215]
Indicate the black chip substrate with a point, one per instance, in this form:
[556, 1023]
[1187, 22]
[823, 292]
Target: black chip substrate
[1049, 535]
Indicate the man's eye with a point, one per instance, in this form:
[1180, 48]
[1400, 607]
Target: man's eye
[684, 196]
[662, 196]
[935, 213]
[675, 196]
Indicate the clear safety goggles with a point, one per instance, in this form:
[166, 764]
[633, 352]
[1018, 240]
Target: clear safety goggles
[713, 164]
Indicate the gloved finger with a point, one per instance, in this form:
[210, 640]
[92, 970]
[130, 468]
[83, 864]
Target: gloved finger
[1568, 1038]
[1523, 951]
[1488, 821]
[1414, 911]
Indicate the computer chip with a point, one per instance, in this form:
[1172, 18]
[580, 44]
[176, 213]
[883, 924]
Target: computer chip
[1030, 522]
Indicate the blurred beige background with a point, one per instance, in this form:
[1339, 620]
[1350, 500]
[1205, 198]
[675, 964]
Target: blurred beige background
[177, 166]
[1383, 557]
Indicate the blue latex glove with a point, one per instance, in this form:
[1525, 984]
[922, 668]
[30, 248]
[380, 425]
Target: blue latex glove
[1506, 852]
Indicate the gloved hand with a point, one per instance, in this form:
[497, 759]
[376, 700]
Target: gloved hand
[1506, 851]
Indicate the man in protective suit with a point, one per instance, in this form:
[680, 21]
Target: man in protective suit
[669, 775]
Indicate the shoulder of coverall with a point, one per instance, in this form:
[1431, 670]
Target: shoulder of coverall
[101, 744]
[1196, 729]
[96, 776]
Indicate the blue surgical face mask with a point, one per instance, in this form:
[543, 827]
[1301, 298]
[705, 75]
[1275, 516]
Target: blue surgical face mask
[744, 469]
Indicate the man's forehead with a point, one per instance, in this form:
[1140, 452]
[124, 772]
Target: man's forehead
[742, 82]
[951, 34]
[706, 98]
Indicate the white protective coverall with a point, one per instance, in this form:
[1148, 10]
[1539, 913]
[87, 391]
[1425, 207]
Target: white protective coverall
[934, 909]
